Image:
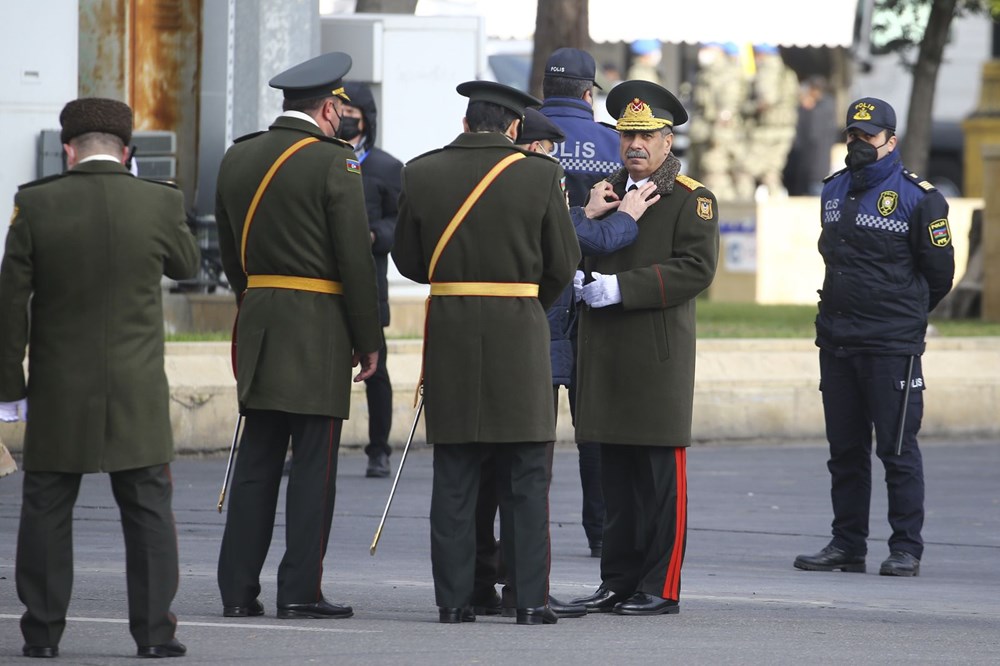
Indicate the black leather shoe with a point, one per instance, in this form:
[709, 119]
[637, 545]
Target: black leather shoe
[172, 649]
[601, 601]
[831, 558]
[321, 609]
[455, 615]
[40, 651]
[252, 609]
[900, 563]
[540, 615]
[641, 603]
[566, 610]
[378, 466]
[487, 602]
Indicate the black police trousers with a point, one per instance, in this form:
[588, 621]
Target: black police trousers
[863, 392]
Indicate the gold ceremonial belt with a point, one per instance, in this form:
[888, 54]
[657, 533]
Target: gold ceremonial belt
[290, 282]
[509, 289]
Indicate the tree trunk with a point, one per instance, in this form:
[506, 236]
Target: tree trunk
[386, 6]
[558, 23]
[917, 144]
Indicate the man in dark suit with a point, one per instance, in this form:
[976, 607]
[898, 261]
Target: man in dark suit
[80, 278]
[295, 246]
[380, 177]
[487, 226]
[637, 354]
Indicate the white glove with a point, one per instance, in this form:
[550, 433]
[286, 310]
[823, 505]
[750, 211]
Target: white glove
[14, 411]
[578, 286]
[604, 290]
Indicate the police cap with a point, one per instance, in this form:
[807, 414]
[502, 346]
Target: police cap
[641, 106]
[871, 115]
[321, 76]
[572, 63]
[499, 94]
[96, 114]
[537, 127]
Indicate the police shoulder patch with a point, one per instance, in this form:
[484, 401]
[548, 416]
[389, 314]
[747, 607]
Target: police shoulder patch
[940, 233]
[353, 166]
[687, 182]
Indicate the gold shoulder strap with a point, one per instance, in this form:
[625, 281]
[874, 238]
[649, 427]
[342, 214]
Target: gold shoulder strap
[294, 148]
[466, 206]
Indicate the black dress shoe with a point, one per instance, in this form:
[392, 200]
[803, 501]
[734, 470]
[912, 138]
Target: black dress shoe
[831, 558]
[601, 601]
[172, 649]
[253, 609]
[641, 603]
[378, 466]
[455, 615]
[321, 609]
[900, 563]
[540, 615]
[566, 610]
[487, 602]
[40, 651]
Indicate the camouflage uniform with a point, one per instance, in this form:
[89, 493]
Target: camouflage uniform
[771, 117]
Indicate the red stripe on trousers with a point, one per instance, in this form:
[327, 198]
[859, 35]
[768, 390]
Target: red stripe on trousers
[672, 586]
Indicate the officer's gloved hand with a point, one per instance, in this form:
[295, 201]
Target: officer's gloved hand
[578, 286]
[604, 290]
[14, 411]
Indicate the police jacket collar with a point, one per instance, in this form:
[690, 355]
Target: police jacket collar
[567, 106]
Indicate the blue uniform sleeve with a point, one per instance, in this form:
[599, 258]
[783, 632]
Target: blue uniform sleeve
[934, 255]
[603, 236]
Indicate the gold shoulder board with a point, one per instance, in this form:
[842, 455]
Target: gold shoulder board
[688, 182]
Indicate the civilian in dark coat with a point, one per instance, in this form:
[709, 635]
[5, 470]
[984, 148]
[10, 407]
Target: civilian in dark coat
[380, 175]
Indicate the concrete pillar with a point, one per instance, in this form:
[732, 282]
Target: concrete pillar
[981, 128]
[991, 233]
[270, 36]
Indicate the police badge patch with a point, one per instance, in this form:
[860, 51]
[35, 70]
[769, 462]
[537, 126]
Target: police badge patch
[940, 233]
[704, 208]
[887, 202]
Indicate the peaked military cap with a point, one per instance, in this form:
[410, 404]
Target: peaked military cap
[641, 106]
[96, 114]
[321, 76]
[499, 94]
[537, 127]
[871, 115]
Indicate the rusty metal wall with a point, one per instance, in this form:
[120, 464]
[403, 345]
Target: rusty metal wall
[147, 53]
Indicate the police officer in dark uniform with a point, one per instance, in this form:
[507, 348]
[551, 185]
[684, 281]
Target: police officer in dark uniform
[85, 255]
[296, 246]
[889, 261]
[588, 154]
[486, 225]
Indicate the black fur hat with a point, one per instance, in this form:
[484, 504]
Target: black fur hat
[96, 114]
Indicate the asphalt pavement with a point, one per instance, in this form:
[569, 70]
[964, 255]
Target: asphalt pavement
[752, 508]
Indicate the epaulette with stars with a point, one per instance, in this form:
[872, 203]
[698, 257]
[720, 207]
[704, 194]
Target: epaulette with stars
[926, 186]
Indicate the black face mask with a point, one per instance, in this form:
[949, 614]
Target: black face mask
[349, 128]
[860, 154]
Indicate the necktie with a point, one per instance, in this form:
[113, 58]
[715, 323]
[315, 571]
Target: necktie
[633, 187]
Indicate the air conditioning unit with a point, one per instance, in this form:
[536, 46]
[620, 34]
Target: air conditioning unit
[155, 154]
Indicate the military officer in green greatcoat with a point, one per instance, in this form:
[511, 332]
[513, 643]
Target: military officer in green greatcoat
[636, 359]
[80, 281]
[486, 224]
[295, 246]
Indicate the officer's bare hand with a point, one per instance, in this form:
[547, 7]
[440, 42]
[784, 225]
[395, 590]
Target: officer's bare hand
[602, 200]
[368, 363]
[638, 200]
